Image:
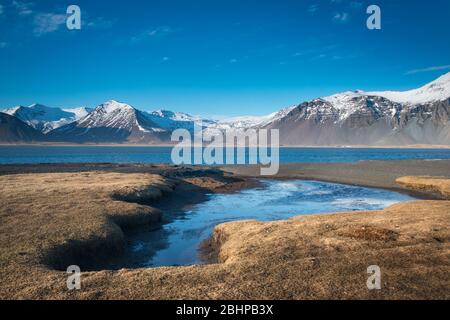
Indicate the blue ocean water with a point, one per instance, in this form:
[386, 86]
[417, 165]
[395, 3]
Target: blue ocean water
[177, 241]
[160, 155]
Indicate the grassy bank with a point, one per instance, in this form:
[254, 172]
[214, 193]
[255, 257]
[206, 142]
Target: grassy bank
[51, 220]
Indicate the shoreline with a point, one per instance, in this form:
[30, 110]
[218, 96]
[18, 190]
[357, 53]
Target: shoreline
[371, 173]
[418, 195]
[417, 147]
[366, 173]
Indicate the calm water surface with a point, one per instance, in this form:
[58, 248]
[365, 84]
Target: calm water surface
[177, 240]
[161, 155]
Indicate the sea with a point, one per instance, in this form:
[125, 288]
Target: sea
[162, 155]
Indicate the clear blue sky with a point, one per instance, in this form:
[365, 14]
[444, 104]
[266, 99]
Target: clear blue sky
[215, 57]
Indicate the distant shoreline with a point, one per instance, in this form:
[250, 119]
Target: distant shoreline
[421, 146]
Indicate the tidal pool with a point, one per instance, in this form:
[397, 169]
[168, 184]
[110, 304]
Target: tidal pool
[176, 241]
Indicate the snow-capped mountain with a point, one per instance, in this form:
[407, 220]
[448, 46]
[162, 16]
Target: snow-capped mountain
[170, 120]
[438, 90]
[45, 118]
[112, 122]
[174, 116]
[79, 112]
[420, 116]
[245, 122]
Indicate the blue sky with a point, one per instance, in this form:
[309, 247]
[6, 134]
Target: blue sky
[215, 57]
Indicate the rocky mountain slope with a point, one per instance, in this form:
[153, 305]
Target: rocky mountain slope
[112, 122]
[419, 116]
[13, 130]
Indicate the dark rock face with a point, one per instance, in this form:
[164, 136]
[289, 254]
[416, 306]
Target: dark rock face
[365, 120]
[13, 130]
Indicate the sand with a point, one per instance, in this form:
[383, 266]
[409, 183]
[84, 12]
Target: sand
[50, 219]
[377, 174]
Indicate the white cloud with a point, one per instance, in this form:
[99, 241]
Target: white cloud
[3, 44]
[23, 8]
[340, 17]
[48, 22]
[429, 69]
[99, 23]
[153, 33]
[1, 9]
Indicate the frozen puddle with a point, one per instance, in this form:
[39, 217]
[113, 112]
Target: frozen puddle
[177, 240]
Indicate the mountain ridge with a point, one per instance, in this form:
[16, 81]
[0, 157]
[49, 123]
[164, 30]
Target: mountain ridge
[417, 116]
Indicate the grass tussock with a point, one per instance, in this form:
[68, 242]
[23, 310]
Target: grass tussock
[439, 186]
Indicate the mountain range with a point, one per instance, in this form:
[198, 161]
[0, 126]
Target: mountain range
[419, 116]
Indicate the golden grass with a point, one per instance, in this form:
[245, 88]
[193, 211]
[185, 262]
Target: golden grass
[56, 219]
[51, 220]
[436, 185]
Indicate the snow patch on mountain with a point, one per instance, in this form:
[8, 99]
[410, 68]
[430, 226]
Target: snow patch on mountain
[438, 90]
[344, 103]
[44, 118]
[79, 113]
[111, 114]
[245, 122]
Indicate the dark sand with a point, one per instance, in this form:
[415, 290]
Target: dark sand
[377, 174]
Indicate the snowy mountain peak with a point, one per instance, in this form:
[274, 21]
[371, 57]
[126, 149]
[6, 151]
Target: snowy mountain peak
[11, 110]
[44, 118]
[276, 116]
[176, 116]
[349, 102]
[112, 114]
[113, 106]
[79, 112]
[444, 79]
[343, 100]
[437, 90]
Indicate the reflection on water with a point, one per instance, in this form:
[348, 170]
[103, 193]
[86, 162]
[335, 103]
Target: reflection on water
[176, 241]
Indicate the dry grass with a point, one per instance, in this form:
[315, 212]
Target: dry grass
[439, 186]
[51, 220]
